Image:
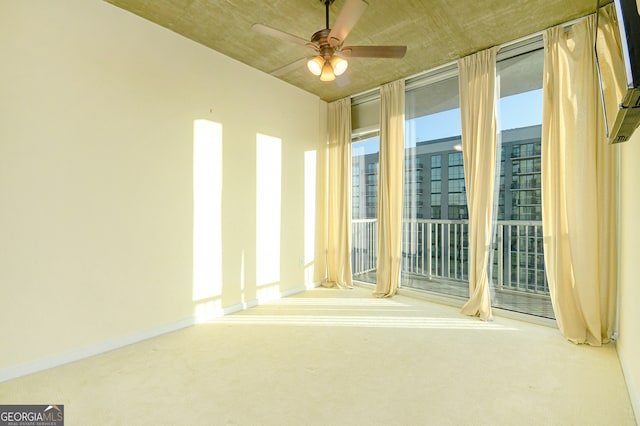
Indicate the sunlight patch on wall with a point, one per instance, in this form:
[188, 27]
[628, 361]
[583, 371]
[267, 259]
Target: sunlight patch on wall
[207, 209]
[268, 208]
[309, 275]
[309, 216]
[309, 205]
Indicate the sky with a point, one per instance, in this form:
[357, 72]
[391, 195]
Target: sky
[520, 110]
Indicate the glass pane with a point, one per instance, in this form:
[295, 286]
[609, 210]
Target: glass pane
[518, 260]
[364, 208]
[434, 237]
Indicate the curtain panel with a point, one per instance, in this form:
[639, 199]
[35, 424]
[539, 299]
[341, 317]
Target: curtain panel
[578, 177]
[390, 189]
[333, 242]
[477, 75]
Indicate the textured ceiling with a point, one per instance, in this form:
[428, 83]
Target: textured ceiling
[435, 32]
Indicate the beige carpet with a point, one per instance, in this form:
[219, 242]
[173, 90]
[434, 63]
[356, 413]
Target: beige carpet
[331, 357]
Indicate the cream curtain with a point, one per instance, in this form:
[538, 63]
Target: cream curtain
[390, 189]
[333, 243]
[477, 74]
[578, 178]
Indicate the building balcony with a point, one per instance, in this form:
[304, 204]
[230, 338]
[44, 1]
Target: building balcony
[435, 259]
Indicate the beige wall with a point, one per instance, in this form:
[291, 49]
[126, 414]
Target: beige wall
[629, 311]
[97, 110]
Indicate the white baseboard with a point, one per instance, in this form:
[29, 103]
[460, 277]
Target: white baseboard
[89, 351]
[632, 388]
[293, 291]
[239, 307]
[99, 348]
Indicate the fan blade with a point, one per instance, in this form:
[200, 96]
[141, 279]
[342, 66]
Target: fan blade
[374, 51]
[346, 20]
[290, 67]
[282, 35]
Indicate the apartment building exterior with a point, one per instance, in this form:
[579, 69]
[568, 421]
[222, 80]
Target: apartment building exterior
[434, 185]
[435, 240]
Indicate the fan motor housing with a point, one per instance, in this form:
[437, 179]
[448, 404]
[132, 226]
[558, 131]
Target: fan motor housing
[322, 40]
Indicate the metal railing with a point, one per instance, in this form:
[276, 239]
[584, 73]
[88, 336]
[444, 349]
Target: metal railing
[364, 246]
[439, 250]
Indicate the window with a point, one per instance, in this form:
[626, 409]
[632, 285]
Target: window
[456, 185]
[456, 172]
[432, 248]
[518, 264]
[364, 207]
[435, 214]
[455, 159]
[436, 173]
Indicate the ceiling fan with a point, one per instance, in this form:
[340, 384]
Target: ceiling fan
[330, 60]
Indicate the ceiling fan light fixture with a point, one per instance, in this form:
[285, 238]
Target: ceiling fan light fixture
[339, 65]
[327, 72]
[330, 58]
[315, 65]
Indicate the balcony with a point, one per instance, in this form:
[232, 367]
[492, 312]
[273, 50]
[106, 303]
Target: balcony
[435, 258]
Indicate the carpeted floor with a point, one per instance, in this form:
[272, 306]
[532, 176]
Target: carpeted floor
[332, 357]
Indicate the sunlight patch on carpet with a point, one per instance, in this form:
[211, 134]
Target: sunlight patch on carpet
[365, 321]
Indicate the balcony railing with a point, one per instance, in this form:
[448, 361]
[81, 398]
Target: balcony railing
[438, 250]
